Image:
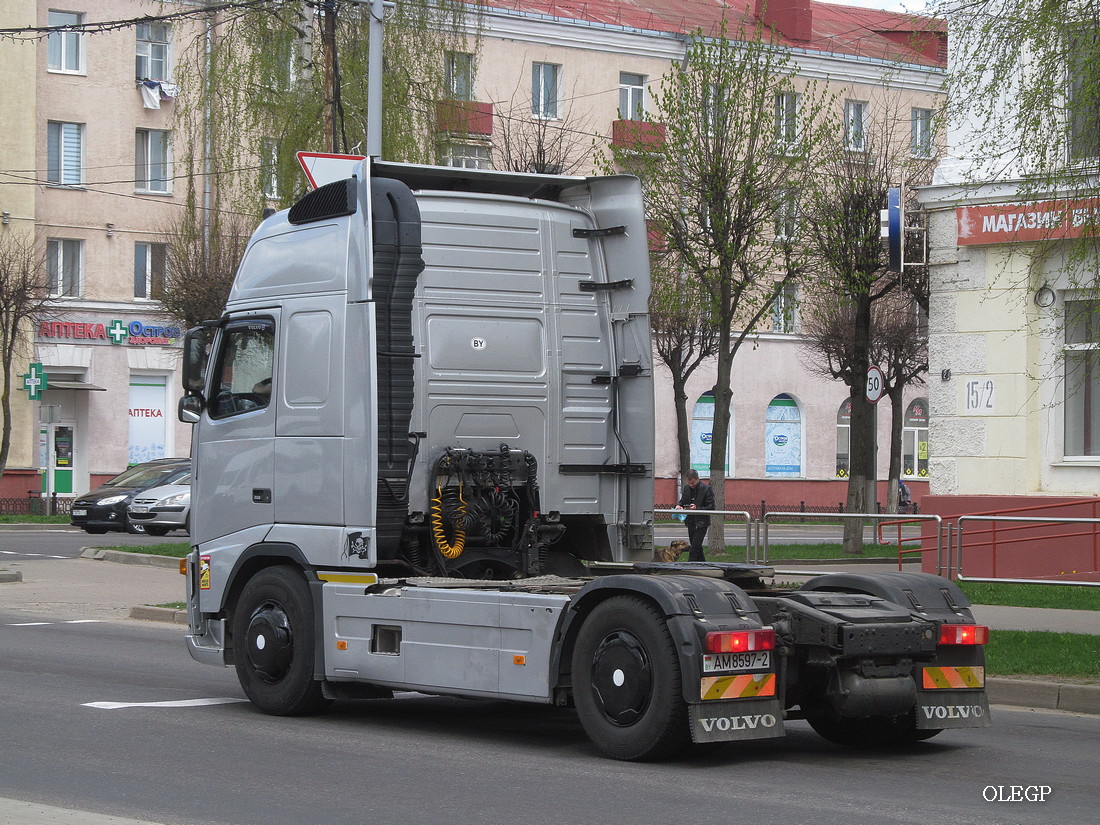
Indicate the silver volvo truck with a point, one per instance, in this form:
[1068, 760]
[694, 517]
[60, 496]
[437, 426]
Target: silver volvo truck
[423, 461]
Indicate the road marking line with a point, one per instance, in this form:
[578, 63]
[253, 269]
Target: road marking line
[46, 624]
[29, 624]
[175, 703]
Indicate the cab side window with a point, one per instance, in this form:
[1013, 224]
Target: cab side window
[246, 364]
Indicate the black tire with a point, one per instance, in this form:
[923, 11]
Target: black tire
[95, 531]
[273, 643]
[868, 731]
[156, 529]
[626, 682]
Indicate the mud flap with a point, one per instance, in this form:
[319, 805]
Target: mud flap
[745, 719]
[938, 709]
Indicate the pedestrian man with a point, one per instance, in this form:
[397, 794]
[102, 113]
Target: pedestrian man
[697, 495]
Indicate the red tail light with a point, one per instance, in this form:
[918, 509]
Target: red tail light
[740, 641]
[963, 634]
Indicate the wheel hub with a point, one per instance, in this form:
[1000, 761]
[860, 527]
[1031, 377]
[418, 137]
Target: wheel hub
[270, 643]
[622, 678]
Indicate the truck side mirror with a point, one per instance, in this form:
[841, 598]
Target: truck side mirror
[189, 410]
[194, 360]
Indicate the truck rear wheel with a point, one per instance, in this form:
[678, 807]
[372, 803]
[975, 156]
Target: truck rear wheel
[626, 681]
[273, 643]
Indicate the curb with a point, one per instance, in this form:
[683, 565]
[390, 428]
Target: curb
[1047, 695]
[159, 614]
[122, 557]
[10, 576]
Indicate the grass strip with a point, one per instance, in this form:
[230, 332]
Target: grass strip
[35, 520]
[175, 550]
[1059, 596]
[783, 552]
[1039, 653]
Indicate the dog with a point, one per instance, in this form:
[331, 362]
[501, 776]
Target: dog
[671, 553]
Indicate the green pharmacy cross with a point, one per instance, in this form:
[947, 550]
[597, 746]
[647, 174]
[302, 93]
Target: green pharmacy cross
[35, 381]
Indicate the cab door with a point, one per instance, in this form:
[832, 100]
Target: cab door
[234, 448]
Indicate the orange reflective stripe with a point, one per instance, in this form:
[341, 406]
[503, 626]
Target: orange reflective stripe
[938, 678]
[743, 686]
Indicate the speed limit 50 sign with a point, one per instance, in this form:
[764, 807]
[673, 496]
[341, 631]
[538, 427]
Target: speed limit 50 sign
[876, 386]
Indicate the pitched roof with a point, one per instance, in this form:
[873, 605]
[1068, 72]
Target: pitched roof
[847, 30]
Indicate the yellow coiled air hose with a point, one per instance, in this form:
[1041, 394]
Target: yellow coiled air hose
[450, 551]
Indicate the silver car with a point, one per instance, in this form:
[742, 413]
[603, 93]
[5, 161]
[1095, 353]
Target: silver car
[162, 509]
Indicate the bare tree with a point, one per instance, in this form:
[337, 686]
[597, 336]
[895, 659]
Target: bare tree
[684, 336]
[526, 142]
[202, 261]
[24, 295]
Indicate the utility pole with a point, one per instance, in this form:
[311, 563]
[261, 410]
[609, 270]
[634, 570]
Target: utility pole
[377, 10]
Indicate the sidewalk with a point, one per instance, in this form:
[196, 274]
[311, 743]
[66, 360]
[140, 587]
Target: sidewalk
[113, 586]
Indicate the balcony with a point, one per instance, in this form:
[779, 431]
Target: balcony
[639, 135]
[464, 116]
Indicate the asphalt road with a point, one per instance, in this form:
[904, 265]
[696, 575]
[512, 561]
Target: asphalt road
[427, 760]
[62, 541]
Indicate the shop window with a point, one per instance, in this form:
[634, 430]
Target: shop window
[150, 266]
[702, 427]
[783, 438]
[1082, 379]
[844, 439]
[914, 440]
[65, 49]
[245, 368]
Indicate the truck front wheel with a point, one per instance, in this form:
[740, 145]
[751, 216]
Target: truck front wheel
[626, 681]
[273, 643]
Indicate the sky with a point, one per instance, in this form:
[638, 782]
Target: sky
[911, 6]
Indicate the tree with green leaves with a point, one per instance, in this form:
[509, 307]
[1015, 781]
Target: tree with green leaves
[839, 224]
[719, 185]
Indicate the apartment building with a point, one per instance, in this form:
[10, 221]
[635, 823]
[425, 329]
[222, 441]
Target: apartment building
[543, 86]
[551, 83]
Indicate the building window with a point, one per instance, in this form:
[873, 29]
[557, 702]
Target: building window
[631, 96]
[151, 161]
[786, 121]
[920, 138]
[459, 76]
[469, 156]
[150, 265]
[786, 214]
[152, 51]
[63, 266]
[1082, 379]
[544, 89]
[1083, 94]
[785, 310]
[715, 110]
[844, 439]
[702, 427]
[783, 438]
[65, 49]
[64, 153]
[855, 125]
[269, 168]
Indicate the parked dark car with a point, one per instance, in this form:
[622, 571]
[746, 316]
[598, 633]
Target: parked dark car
[104, 508]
